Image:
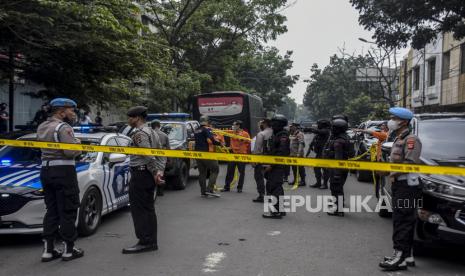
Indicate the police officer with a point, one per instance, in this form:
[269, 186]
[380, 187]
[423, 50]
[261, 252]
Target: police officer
[322, 133]
[278, 145]
[59, 182]
[405, 190]
[202, 135]
[165, 144]
[260, 147]
[338, 148]
[297, 144]
[146, 173]
[4, 117]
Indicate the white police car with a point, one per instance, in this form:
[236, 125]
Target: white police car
[103, 182]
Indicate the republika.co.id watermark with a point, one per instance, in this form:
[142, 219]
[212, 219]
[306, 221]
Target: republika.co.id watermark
[328, 203]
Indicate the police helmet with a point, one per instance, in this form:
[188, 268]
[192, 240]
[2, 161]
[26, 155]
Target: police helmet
[203, 120]
[401, 113]
[155, 123]
[323, 123]
[137, 111]
[279, 121]
[340, 116]
[62, 102]
[339, 126]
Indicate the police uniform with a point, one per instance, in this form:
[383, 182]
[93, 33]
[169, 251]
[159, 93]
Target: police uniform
[297, 146]
[338, 149]
[165, 144]
[142, 185]
[278, 145]
[317, 145]
[260, 148]
[406, 193]
[59, 181]
[202, 135]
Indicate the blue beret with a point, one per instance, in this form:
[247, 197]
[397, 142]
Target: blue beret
[62, 102]
[402, 113]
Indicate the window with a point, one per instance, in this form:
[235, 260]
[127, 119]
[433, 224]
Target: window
[462, 58]
[416, 78]
[432, 72]
[445, 65]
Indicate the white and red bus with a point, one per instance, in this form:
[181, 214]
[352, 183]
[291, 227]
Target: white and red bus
[223, 108]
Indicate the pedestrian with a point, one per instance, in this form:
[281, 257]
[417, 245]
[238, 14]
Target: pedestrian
[338, 149]
[146, 174]
[59, 182]
[4, 117]
[260, 148]
[405, 188]
[238, 146]
[98, 119]
[317, 145]
[165, 144]
[278, 145]
[202, 135]
[41, 115]
[297, 140]
[85, 119]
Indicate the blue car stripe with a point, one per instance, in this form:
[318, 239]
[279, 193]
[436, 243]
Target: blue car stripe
[11, 180]
[26, 180]
[13, 174]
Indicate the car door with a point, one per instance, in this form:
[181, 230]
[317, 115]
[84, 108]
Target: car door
[116, 178]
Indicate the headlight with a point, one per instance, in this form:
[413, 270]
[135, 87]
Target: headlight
[432, 185]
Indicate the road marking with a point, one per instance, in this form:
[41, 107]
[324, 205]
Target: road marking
[212, 261]
[273, 233]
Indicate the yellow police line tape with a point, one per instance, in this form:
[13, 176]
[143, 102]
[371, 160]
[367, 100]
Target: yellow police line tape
[246, 158]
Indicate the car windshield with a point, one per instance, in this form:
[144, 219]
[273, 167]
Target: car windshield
[175, 131]
[32, 155]
[442, 139]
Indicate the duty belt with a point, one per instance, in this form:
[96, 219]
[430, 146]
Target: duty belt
[51, 163]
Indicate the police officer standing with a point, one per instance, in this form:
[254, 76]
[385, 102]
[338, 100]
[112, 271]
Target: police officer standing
[297, 144]
[321, 137]
[405, 190]
[59, 182]
[202, 135]
[278, 145]
[339, 149]
[165, 144]
[260, 147]
[146, 173]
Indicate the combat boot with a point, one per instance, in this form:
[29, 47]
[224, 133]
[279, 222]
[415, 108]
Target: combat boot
[394, 263]
[50, 253]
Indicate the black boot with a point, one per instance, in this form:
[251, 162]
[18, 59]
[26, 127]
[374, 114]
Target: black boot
[410, 260]
[71, 252]
[316, 185]
[324, 186]
[259, 199]
[394, 263]
[50, 253]
[272, 215]
[139, 248]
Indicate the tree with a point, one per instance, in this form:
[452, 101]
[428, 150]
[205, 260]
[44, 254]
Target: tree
[288, 108]
[207, 39]
[396, 22]
[335, 90]
[264, 73]
[89, 50]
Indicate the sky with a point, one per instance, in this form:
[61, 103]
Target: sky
[316, 28]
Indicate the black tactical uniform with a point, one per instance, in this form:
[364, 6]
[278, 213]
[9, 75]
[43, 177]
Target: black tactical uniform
[277, 145]
[317, 145]
[339, 149]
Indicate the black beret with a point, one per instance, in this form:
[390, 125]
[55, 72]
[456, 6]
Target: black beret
[137, 111]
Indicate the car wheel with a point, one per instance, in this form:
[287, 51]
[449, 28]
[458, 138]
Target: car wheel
[90, 212]
[180, 180]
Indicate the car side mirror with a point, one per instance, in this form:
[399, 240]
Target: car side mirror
[387, 146]
[117, 158]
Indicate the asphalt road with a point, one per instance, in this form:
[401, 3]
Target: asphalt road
[228, 236]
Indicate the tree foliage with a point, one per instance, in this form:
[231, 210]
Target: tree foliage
[396, 22]
[335, 90]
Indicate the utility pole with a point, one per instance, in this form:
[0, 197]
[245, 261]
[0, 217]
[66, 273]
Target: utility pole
[11, 87]
[423, 97]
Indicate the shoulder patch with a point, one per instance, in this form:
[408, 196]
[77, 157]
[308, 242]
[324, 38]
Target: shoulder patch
[411, 143]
